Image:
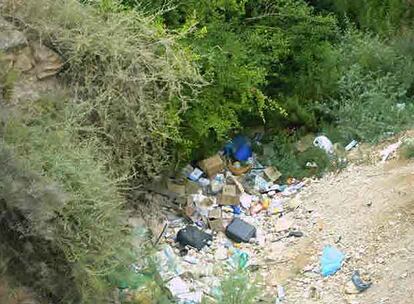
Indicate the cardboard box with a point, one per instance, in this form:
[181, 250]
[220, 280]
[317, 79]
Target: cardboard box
[192, 187]
[216, 225]
[215, 213]
[211, 166]
[229, 196]
[272, 174]
[176, 188]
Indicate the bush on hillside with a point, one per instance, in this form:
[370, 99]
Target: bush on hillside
[83, 218]
[128, 74]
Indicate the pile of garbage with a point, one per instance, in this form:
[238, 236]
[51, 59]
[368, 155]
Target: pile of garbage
[232, 206]
[231, 213]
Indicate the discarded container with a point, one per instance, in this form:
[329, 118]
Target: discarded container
[217, 183]
[204, 182]
[211, 166]
[331, 261]
[239, 259]
[229, 196]
[240, 231]
[351, 145]
[195, 174]
[324, 143]
[272, 174]
[359, 284]
[194, 237]
[237, 169]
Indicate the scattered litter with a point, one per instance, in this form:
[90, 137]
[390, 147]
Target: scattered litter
[311, 165]
[211, 166]
[331, 260]
[235, 198]
[168, 263]
[195, 174]
[178, 286]
[190, 259]
[324, 143]
[178, 189]
[217, 183]
[275, 207]
[260, 184]
[246, 200]
[236, 209]
[351, 145]
[280, 293]
[359, 283]
[390, 150]
[240, 231]
[204, 182]
[272, 174]
[239, 259]
[229, 196]
[194, 237]
[180, 290]
[295, 233]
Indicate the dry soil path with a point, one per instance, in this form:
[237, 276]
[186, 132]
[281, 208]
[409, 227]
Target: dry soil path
[368, 213]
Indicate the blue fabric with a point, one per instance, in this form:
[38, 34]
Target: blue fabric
[236, 209]
[240, 148]
[331, 260]
[243, 153]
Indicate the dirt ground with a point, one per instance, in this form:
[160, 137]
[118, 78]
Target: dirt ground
[368, 213]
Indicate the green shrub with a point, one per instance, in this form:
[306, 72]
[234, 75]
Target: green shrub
[87, 227]
[380, 16]
[407, 149]
[237, 287]
[128, 74]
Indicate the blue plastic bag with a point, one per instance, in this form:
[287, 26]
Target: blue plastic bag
[331, 260]
[239, 148]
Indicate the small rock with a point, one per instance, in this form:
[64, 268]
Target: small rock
[11, 39]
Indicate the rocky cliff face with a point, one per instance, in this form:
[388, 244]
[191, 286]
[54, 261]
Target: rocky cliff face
[27, 205]
[35, 64]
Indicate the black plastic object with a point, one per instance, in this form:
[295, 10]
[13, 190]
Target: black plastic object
[240, 231]
[359, 284]
[194, 237]
[295, 233]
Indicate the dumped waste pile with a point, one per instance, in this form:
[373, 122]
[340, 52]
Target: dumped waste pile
[234, 208]
[236, 215]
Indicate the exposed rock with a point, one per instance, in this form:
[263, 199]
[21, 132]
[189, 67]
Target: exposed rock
[12, 39]
[48, 62]
[5, 25]
[23, 60]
